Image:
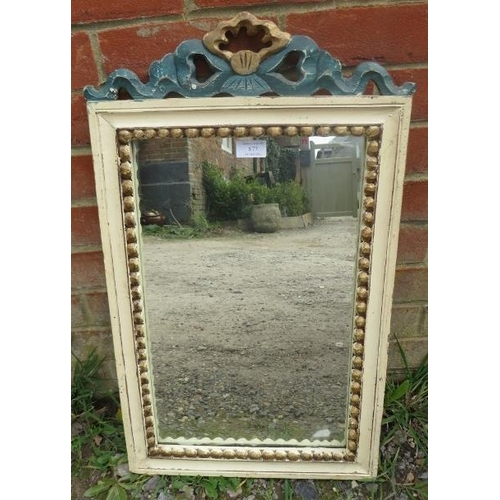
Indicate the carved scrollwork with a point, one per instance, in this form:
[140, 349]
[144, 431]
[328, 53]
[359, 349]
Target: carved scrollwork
[247, 72]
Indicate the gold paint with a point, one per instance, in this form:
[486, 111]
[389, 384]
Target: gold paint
[241, 453]
[291, 131]
[128, 204]
[124, 136]
[207, 132]
[202, 453]
[371, 162]
[224, 132]
[254, 454]
[356, 387]
[323, 131]
[133, 264]
[358, 131]
[274, 131]
[307, 131]
[368, 218]
[177, 133]
[358, 349]
[372, 147]
[361, 308]
[369, 203]
[192, 132]
[341, 130]
[126, 170]
[240, 132]
[362, 278]
[359, 321]
[149, 133]
[131, 235]
[372, 132]
[257, 131]
[366, 233]
[127, 188]
[124, 152]
[163, 132]
[229, 454]
[370, 189]
[357, 362]
[245, 62]
[364, 263]
[353, 423]
[130, 219]
[132, 250]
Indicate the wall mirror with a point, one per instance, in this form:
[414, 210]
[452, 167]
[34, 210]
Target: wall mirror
[257, 351]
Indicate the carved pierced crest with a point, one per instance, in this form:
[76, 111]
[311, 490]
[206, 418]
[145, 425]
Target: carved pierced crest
[247, 57]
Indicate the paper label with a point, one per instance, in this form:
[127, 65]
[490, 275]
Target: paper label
[247, 148]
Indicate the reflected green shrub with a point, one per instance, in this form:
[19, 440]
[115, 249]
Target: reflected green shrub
[232, 199]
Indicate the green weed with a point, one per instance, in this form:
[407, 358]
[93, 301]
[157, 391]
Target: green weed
[96, 432]
[98, 444]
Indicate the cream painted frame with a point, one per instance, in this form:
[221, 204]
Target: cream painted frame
[390, 115]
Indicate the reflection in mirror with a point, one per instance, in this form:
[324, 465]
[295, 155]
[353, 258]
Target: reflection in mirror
[250, 322]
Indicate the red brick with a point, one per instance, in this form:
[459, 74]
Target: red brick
[386, 34]
[83, 67]
[414, 351]
[136, 48]
[84, 341]
[418, 151]
[413, 244]
[85, 11]
[82, 177]
[411, 284]
[87, 270]
[405, 321]
[419, 110]
[425, 321]
[77, 312]
[244, 3]
[415, 196]
[85, 226]
[98, 308]
[80, 134]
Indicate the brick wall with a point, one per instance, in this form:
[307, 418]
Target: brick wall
[106, 36]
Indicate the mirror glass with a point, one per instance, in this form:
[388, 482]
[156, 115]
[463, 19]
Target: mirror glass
[248, 252]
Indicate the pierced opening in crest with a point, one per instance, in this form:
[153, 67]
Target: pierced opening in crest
[288, 68]
[242, 40]
[203, 70]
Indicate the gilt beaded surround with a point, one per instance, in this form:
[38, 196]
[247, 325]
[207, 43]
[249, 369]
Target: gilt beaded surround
[249, 73]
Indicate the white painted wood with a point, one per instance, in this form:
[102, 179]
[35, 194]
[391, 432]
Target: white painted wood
[393, 115]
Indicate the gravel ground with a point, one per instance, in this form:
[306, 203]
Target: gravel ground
[250, 332]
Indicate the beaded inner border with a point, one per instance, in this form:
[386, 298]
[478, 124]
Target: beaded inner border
[373, 135]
